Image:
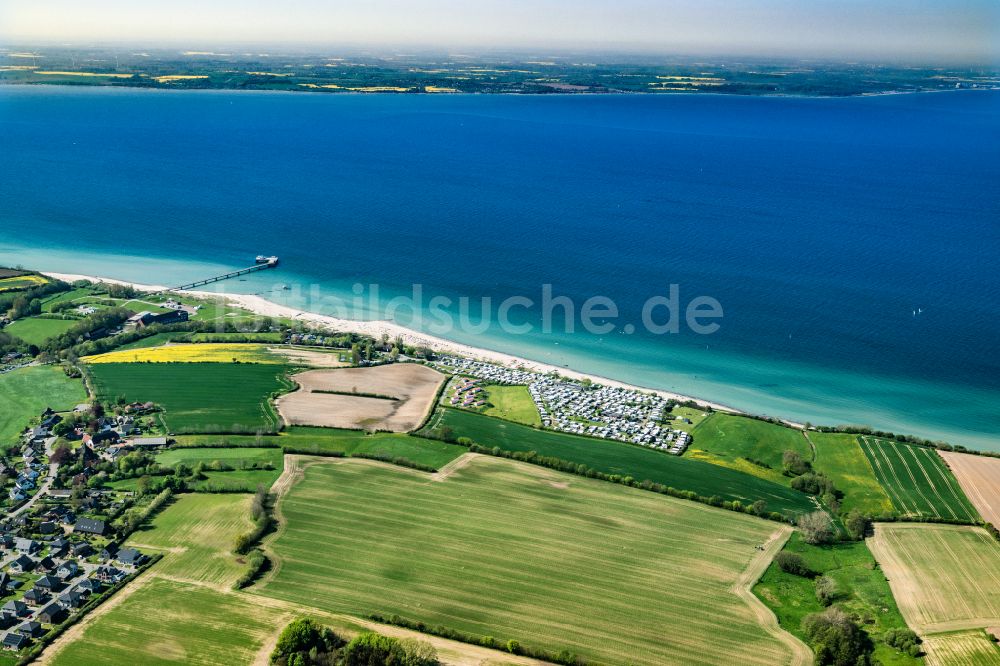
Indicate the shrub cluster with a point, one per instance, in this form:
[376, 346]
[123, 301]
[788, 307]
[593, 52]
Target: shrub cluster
[257, 564]
[261, 516]
[514, 647]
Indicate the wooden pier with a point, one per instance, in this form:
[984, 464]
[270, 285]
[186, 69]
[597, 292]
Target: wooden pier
[271, 263]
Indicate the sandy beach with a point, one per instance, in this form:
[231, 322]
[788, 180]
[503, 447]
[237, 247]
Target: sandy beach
[377, 329]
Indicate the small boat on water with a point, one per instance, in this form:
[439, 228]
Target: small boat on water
[270, 261]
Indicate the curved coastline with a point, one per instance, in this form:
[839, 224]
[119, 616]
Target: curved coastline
[376, 328]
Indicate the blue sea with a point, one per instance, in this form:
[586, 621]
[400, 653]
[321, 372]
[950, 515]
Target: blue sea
[852, 244]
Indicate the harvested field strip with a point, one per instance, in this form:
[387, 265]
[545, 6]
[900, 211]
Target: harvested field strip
[963, 648]
[564, 562]
[979, 477]
[944, 576]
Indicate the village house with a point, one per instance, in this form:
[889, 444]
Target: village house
[36, 596]
[22, 564]
[90, 526]
[15, 608]
[52, 614]
[30, 629]
[14, 641]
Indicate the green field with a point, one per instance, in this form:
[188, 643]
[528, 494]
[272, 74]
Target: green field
[198, 397]
[25, 393]
[613, 457]
[513, 403]
[36, 330]
[197, 532]
[515, 551]
[839, 456]
[732, 441]
[917, 480]
[864, 590]
[174, 622]
[319, 441]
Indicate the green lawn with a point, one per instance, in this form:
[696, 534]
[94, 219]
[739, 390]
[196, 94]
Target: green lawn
[839, 456]
[917, 480]
[865, 592]
[72, 295]
[515, 551]
[729, 441]
[304, 439]
[198, 397]
[513, 403]
[25, 393]
[695, 416]
[613, 457]
[36, 330]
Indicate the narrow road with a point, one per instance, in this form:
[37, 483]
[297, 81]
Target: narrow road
[43, 487]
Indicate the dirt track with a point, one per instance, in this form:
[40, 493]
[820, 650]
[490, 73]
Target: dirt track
[801, 654]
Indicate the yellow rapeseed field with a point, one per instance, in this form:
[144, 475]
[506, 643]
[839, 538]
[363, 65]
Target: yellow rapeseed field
[191, 353]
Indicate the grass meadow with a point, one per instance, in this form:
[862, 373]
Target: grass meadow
[36, 330]
[26, 392]
[515, 551]
[734, 441]
[613, 457]
[513, 403]
[917, 480]
[839, 456]
[864, 592]
[198, 397]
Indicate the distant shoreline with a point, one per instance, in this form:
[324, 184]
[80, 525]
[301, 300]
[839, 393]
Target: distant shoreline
[377, 328]
[555, 93]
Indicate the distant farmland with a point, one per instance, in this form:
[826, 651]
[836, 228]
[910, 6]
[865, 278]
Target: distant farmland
[917, 480]
[515, 551]
[613, 457]
[944, 577]
[198, 397]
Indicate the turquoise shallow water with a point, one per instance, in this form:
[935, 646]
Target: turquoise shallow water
[819, 225]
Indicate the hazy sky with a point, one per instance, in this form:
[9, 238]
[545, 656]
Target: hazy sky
[909, 29]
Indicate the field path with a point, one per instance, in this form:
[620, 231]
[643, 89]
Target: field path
[801, 654]
[455, 465]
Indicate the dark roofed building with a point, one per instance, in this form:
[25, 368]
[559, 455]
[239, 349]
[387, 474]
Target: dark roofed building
[52, 614]
[90, 526]
[14, 641]
[17, 608]
[130, 556]
[30, 628]
[22, 564]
